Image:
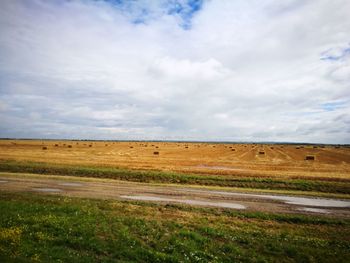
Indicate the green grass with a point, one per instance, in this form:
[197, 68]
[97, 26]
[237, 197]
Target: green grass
[273, 183]
[42, 228]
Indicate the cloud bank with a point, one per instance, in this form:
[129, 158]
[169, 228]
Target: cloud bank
[175, 69]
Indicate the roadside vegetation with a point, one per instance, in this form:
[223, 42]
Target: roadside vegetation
[47, 228]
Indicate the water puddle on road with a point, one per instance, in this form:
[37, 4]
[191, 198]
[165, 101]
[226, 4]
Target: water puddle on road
[49, 190]
[320, 202]
[304, 201]
[184, 201]
[71, 184]
[314, 210]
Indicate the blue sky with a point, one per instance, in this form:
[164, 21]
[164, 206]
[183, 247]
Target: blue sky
[143, 12]
[176, 69]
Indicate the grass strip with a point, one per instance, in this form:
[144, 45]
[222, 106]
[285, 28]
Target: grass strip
[42, 228]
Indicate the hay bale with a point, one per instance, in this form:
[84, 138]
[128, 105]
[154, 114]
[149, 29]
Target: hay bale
[56, 145]
[90, 145]
[233, 150]
[156, 153]
[131, 147]
[297, 148]
[261, 152]
[309, 158]
[271, 148]
[69, 146]
[44, 148]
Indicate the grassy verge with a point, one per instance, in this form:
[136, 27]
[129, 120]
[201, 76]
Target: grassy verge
[41, 228]
[177, 178]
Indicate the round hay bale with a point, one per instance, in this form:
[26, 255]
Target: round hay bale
[309, 158]
[44, 148]
[156, 153]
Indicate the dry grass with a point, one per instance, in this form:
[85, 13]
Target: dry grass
[204, 158]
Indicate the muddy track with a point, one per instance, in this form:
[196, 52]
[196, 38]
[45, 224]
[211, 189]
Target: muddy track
[111, 189]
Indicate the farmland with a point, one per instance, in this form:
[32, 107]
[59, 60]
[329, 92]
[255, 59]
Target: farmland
[88, 201]
[234, 165]
[288, 161]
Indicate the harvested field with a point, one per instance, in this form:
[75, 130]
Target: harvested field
[255, 160]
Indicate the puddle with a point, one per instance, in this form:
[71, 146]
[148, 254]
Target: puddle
[71, 184]
[314, 210]
[52, 190]
[3, 181]
[216, 204]
[184, 201]
[321, 202]
[305, 201]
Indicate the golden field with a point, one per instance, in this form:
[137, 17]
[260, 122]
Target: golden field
[331, 162]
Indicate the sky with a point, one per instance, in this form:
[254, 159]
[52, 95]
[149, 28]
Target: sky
[217, 70]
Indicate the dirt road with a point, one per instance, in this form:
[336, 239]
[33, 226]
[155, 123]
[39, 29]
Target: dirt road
[196, 196]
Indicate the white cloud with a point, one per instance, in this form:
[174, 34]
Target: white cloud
[184, 69]
[242, 70]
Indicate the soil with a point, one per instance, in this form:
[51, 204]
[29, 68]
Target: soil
[121, 190]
